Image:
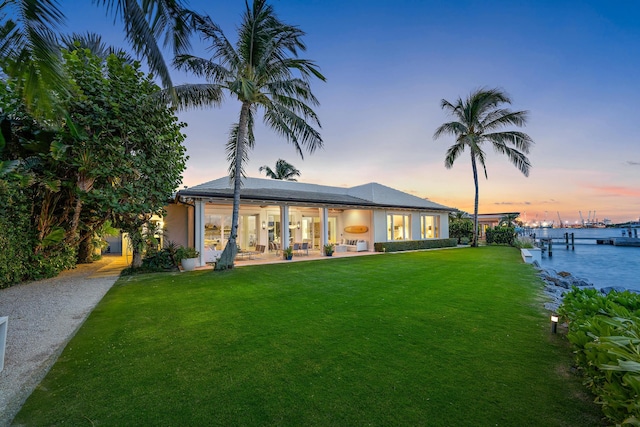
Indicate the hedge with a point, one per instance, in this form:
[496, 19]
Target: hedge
[501, 235]
[412, 245]
[15, 229]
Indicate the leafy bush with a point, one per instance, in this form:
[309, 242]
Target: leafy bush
[165, 259]
[410, 245]
[15, 234]
[183, 253]
[501, 235]
[604, 332]
[461, 228]
[52, 261]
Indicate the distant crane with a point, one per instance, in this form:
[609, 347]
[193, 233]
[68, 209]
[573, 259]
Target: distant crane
[559, 219]
[581, 218]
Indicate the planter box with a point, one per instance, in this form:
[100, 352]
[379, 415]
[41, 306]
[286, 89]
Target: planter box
[531, 255]
[3, 339]
[189, 264]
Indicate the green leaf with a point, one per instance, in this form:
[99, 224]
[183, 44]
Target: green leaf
[58, 150]
[73, 129]
[8, 166]
[54, 237]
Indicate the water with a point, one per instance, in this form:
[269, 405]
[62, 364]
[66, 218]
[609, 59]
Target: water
[602, 265]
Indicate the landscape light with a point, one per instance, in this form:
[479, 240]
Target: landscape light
[554, 323]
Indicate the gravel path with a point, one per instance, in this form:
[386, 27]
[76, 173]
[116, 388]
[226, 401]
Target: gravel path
[43, 317]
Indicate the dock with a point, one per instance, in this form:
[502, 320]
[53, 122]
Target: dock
[569, 240]
[620, 241]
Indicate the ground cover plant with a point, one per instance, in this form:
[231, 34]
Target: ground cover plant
[438, 338]
[604, 331]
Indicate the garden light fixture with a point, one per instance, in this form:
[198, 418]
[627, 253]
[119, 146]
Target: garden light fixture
[554, 323]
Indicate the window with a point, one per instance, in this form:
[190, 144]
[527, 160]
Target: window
[429, 226]
[398, 227]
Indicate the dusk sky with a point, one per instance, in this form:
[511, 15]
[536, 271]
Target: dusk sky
[574, 65]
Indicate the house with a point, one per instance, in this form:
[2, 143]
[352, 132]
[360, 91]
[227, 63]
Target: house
[276, 213]
[490, 220]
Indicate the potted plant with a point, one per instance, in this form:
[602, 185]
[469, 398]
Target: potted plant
[328, 249]
[288, 253]
[188, 258]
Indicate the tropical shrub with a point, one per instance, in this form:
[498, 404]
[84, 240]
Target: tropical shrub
[501, 235]
[166, 259]
[461, 228]
[604, 331]
[411, 245]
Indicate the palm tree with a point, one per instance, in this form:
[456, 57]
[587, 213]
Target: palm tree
[479, 120]
[508, 219]
[284, 171]
[29, 47]
[261, 71]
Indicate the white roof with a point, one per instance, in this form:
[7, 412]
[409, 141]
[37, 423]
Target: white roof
[371, 194]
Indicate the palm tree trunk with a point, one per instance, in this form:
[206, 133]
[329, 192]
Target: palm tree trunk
[231, 249]
[475, 204]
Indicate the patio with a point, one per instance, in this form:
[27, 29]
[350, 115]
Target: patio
[270, 257]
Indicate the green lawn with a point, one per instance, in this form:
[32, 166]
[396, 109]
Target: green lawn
[439, 338]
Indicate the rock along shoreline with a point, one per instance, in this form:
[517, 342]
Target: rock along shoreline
[557, 283]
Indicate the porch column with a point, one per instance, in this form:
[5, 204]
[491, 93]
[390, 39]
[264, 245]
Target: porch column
[198, 235]
[284, 221]
[324, 229]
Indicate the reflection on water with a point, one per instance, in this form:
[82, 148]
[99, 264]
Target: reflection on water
[602, 265]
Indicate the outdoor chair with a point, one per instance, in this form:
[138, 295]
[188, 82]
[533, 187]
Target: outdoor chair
[296, 248]
[305, 248]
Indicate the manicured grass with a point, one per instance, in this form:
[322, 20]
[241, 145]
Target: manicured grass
[440, 338]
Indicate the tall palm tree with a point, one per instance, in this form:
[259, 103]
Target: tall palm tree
[284, 171]
[29, 48]
[262, 71]
[479, 119]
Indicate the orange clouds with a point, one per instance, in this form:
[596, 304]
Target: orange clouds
[612, 190]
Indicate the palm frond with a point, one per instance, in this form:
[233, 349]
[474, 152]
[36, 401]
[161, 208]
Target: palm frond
[451, 128]
[202, 67]
[518, 140]
[191, 96]
[516, 157]
[145, 22]
[452, 155]
[231, 147]
[294, 128]
[505, 118]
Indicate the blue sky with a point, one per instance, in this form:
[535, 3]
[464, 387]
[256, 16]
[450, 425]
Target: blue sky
[573, 64]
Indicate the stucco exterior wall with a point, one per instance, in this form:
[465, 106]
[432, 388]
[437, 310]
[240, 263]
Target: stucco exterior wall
[357, 217]
[178, 224]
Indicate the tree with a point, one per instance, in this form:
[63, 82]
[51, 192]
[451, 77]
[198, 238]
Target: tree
[284, 171]
[479, 119]
[29, 46]
[125, 149]
[508, 220]
[262, 71]
[118, 155]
